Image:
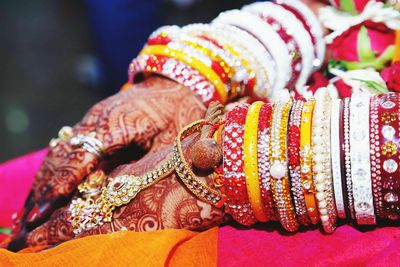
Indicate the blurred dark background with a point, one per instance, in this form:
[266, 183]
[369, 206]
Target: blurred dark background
[59, 57]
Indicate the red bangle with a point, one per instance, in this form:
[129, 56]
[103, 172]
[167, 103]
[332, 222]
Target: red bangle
[385, 157]
[264, 143]
[294, 163]
[234, 180]
[177, 71]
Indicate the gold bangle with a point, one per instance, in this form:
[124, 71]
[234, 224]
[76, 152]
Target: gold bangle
[206, 71]
[250, 161]
[185, 173]
[306, 161]
[279, 168]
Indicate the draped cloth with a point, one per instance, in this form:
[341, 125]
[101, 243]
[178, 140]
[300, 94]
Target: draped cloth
[262, 245]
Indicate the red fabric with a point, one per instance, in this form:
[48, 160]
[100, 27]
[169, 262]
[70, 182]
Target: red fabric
[262, 246]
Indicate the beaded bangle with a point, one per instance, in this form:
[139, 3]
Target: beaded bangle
[360, 161]
[311, 24]
[185, 173]
[263, 148]
[294, 163]
[268, 37]
[385, 172]
[321, 160]
[234, 179]
[250, 147]
[248, 48]
[192, 61]
[306, 161]
[347, 159]
[295, 36]
[280, 182]
[177, 71]
[336, 158]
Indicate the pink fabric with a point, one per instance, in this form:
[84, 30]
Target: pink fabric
[16, 177]
[260, 246]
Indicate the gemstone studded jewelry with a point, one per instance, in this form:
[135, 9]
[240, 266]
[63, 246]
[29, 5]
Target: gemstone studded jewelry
[279, 168]
[322, 161]
[360, 161]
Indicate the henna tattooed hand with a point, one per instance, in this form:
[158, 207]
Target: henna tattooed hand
[167, 204]
[149, 115]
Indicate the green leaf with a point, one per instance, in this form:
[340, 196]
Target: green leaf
[376, 88]
[364, 50]
[348, 6]
[5, 230]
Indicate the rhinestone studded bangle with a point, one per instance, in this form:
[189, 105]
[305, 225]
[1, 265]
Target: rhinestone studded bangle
[294, 162]
[264, 164]
[234, 181]
[280, 181]
[177, 71]
[200, 189]
[306, 161]
[360, 160]
[321, 160]
[347, 159]
[387, 148]
[311, 24]
[336, 158]
[250, 144]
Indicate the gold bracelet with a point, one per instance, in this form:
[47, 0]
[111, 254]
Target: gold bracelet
[250, 143]
[185, 173]
[279, 168]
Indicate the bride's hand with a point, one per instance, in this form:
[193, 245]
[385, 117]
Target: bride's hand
[149, 115]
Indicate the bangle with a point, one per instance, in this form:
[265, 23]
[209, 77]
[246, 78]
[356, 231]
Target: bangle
[360, 161]
[336, 158]
[177, 71]
[250, 141]
[201, 190]
[321, 160]
[385, 154]
[192, 61]
[234, 180]
[268, 37]
[264, 164]
[250, 51]
[280, 181]
[311, 24]
[295, 36]
[347, 160]
[294, 163]
[306, 161]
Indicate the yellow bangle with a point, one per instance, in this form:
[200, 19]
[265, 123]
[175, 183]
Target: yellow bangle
[206, 71]
[250, 141]
[306, 161]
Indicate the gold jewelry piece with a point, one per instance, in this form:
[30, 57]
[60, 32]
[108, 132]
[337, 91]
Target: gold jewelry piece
[64, 134]
[185, 173]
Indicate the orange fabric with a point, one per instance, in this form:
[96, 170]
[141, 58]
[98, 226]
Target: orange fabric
[123, 248]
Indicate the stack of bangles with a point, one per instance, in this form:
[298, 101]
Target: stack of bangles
[298, 162]
[257, 51]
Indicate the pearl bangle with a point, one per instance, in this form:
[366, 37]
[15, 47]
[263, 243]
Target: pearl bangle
[280, 181]
[336, 158]
[321, 159]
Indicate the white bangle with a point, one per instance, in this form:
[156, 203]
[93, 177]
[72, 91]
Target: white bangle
[268, 37]
[360, 159]
[322, 160]
[336, 158]
[315, 28]
[296, 29]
